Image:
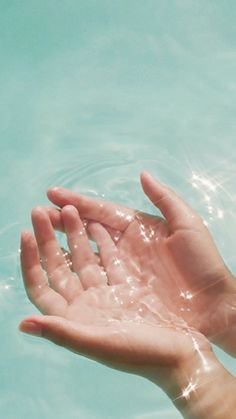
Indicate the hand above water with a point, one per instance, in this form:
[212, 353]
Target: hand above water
[174, 255]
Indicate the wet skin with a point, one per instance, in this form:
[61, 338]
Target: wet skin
[146, 303]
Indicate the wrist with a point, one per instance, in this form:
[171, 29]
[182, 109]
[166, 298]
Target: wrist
[202, 388]
[226, 331]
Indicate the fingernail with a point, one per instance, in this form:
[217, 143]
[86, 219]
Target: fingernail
[31, 328]
[25, 234]
[54, 188]
[147, 174]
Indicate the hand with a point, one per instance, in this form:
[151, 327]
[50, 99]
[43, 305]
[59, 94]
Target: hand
[103, 311]
[175, 255]
[115, 313]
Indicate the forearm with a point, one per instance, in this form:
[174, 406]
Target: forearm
[203, 389]
[226, 338]
[211, 396]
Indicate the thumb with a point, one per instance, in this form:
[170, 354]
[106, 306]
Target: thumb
[177, 213]
[93, 342]
[60, 331]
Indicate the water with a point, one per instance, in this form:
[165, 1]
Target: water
[90, 96]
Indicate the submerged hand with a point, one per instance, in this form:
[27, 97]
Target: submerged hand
[109, 313]
[174, 255]
[124, 308]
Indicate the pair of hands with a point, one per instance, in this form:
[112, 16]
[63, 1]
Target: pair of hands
[151, 297]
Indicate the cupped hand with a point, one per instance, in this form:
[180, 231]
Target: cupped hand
[105, 310]
[174, 256]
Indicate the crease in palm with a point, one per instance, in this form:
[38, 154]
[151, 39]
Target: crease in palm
[150, 272]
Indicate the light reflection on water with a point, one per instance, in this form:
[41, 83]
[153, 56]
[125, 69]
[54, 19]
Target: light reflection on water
[113, 174]
[75, 77]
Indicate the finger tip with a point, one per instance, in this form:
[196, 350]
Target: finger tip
[145, 177]
[21, 325]
[31, 325]
[143, 173]
[95, 228]
[56, 193]
[54, 213]
[25, 233]
[52, 191]
[91, 225]
[25, 236]
[36, 211]
[39, 214]
[69, 210]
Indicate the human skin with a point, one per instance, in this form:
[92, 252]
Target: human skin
[188, 266]
[115, 314]
[99, 317]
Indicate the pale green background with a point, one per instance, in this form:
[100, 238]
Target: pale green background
[92, 92]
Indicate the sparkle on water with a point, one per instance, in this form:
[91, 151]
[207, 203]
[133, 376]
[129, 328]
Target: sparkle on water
[92, 93]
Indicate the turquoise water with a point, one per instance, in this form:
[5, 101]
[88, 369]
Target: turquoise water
[92, 92]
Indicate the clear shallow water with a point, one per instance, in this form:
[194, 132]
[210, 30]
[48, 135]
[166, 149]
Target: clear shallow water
[90, 96]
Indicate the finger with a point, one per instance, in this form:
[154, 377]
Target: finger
[36, 285]
[125, 349]
[56, 220]
[112, 215]
[98, 343]
[177, 213]
[65, 252]
[109, 254]
[59, 274]
[67, 257]
[84, 261]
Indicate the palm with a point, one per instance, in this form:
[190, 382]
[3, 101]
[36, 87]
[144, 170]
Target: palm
[134, 328]
[140, 306]
[183, 267]
[175, 257]
[112, 303]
